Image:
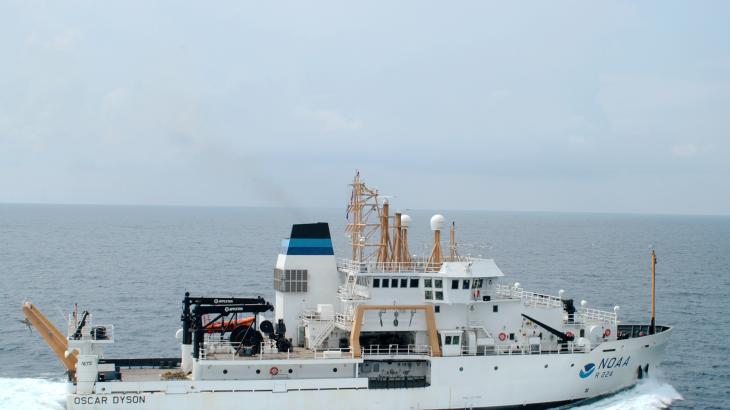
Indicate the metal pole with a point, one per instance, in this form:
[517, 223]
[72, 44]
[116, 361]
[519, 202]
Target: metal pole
[652, 328]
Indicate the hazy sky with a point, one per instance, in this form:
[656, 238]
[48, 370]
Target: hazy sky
[558, 106]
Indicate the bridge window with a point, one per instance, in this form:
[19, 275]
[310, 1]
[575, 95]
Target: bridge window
[385, 283]
[455, 284]
[439, 295]
[465, 284]
[438, 283]
[414, 283]
[427, 283]
[429, 295]
[394, 283]
[404, 283]
[376, 282]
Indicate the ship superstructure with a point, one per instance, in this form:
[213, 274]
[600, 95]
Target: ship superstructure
[380, 329]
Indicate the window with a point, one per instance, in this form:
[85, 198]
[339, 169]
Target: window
[455, 284]
[376, 282]
[455, 340]
[290, 280]
[582, 333]
[511, 336]
[394, 283]
[429, 294]
[414, 283]
[495, 308]
[439, 295]
[448, 340]
[438, 283]
[465, 284]
[478, 283]
[437, 309]
[404, 283]
[427, 283]
[385, 283]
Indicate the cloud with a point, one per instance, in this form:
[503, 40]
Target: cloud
[331, 121]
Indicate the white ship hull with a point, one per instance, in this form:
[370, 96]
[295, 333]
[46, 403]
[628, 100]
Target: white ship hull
[493, 381]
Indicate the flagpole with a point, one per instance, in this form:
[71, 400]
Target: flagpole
[652, 328]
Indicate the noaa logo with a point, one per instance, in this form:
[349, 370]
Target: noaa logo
[587, 370]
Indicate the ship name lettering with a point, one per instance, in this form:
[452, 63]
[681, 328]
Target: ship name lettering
[129, 399]
[84, 400]
[614, 362]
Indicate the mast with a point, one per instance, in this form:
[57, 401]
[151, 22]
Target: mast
[396, 253]
[364, 203]
[652, 326]
[384, 239]
[452, 242]
[434, 261]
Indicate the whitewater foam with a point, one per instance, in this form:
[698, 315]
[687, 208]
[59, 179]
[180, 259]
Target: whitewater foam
[32, 394]
[647, 394]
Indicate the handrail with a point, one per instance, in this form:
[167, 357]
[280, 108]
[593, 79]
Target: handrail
[414, 266]
[397, 350]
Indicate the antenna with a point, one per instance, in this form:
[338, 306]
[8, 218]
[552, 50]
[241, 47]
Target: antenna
[434, 261]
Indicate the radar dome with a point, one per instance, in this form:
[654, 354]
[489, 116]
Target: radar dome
[437, 222]
[405, 220]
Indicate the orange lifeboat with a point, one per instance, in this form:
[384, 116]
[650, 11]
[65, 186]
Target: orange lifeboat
[218, 326]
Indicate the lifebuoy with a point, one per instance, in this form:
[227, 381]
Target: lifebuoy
[569, 334]
[503, 336]
[274, 371]
[607, 333]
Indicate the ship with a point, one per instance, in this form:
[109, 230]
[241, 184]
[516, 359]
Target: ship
[381, 329]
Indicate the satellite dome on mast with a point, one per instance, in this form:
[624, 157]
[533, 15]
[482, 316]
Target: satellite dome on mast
[405, 220]
[437, 222]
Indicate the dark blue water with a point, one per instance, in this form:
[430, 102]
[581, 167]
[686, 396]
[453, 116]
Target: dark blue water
[132, 265]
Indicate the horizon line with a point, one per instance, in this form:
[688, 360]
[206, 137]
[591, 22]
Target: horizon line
[131, 205]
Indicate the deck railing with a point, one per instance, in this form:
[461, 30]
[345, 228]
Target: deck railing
[419, 265]
[396, 350]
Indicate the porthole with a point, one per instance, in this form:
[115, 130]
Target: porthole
[461, 369]
[496, 367]
[225, 371]
[290, 371]
[258, 371]
[572, 364]
[546, 366]
[334, 369]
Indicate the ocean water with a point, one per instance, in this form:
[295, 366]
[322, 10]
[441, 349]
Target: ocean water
[131, 266]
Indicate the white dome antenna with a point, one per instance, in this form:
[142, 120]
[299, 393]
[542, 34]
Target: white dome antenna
[437, 222]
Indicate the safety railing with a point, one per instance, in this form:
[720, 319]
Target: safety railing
[568, 348]
[420, 265]
[531, 299]
[228, 351]
[396, 350]
[585, 315]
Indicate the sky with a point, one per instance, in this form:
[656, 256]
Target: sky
[549, 106]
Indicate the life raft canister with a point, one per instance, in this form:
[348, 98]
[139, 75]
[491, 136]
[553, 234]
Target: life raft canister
[503, 336]
[274, 371]
[607, 333]
[569, 334]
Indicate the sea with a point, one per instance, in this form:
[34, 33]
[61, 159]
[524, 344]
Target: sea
[131, 265]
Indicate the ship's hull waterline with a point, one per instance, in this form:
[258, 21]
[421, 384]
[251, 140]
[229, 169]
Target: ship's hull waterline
[495, 381]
